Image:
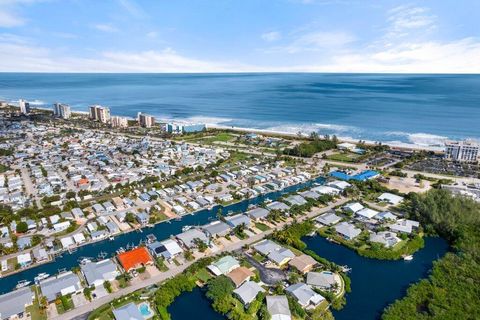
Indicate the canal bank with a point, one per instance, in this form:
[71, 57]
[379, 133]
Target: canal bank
[162, 231]
[376, 283]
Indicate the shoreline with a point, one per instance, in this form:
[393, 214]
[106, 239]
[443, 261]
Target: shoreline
[393, 144]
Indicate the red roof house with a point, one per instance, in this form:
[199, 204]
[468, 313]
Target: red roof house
[135, 258]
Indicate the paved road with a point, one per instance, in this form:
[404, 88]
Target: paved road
[81, 311]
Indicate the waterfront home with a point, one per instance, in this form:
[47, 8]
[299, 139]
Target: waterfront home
[347, 231]
[353, 207]
[216, 229]
[167, 249]
[67, 242]
[248, 291]
[391, 198]
[277, 307]
[305, 295]
[274, 252]
[303, 263]
[309, 194]
[142, 218]
[13, 304]
[24, 259]
[404, 226]
[40, 254]
[237, 220]
[339, 185]
[224, 265]
[275, 205]
[324, 280]
[96, 273]
[387, 238]
[61, 285]
[328, 218]
[98, 235]
[79, 238]
[109, 207]
[98, 208]
[240, 275]
[128, 312]
[135, 259]
[296, 200]
[188, 237]
[258, 213]
[366, 213]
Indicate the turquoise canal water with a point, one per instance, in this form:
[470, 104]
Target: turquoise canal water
[376, 283]
[193, 305]
[161, 231]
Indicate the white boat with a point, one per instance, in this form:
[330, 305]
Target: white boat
[408, 258]
[186, 228]
[111, 238]
[41, 276]
[22, 284]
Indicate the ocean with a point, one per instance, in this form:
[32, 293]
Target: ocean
[396, 108]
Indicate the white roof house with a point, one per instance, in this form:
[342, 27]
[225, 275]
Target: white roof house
[24, 259]
[326, 190]
[353, 207]
[79, 238]
[67, 242]
[366, 213]
[387, 238]
[305, 295]
[404, 225]
[390, 198]
[324, 280]
[339, 184]
[248, 291]
[62, 284]
[278, 308]
[347, 230]
[14, 303]
[96, 273]
[328, 219]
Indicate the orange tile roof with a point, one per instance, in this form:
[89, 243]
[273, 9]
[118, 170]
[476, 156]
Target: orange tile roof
[82, 181]
[134, 258]
[239, 275]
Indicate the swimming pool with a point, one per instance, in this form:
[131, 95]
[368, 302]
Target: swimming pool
[145, 310]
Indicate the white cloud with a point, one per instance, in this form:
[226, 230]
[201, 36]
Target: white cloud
[152, 34]
[315, 41]
[9, 19]
[105, 27]
[405, 19]
[271, 36]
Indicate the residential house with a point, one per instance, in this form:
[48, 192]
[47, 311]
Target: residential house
[390, 198]
[387, 238]
[188, 237]
[324, 280]
[240, 275]
[303, 263]
[328, 218]
[404, 226]
[13, 304]
[305, 295]
[129, 311]
[135, 259]
[236, 220]
[347, 230]
[248, 291]
[224, 265]
[96, 273]
[61, 285]
[167, 249]
[258, 213]
[274, 252]
[216, 229]
[277, 307]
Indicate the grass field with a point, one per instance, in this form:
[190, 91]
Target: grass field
[261, 226]
[344, 157]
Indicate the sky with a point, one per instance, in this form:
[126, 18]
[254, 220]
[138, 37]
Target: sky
[240, 36]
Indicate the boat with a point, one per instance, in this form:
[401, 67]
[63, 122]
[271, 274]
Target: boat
[345, 268]
[102, 255]
[41, 276]
[408, 257]
[22, 284]
[111, 238]
[84, 261]
[186, 228]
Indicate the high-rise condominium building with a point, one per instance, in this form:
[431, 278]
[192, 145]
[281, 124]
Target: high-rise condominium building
[61, 110]
[119, 122]
[145, 120]
[99, 113]
[24, 106]
[464, 151]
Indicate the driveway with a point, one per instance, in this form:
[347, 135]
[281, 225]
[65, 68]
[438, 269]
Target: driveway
[268, 276]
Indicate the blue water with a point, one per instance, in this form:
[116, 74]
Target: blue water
[193, 305]
[376, 283]
[161, 231]
[144, 309]
[421, 109]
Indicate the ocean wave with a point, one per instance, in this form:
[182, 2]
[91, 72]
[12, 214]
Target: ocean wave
[420, 138]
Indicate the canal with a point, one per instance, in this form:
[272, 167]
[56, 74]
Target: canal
[161, 230]
[376, 283]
